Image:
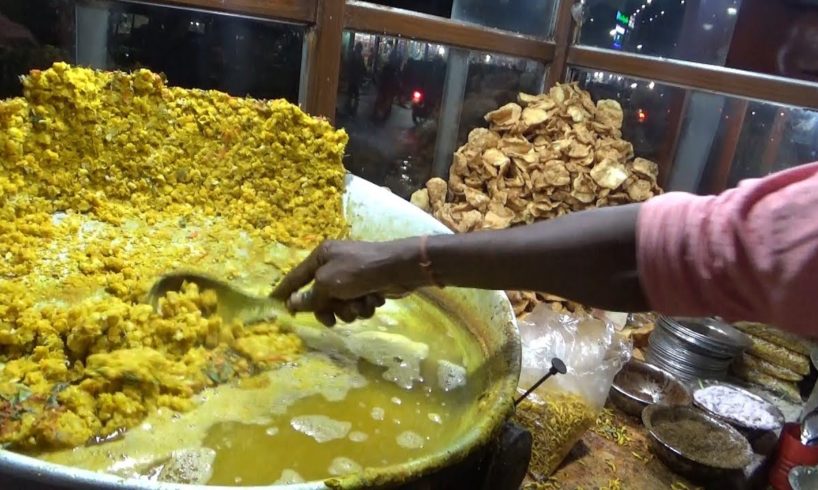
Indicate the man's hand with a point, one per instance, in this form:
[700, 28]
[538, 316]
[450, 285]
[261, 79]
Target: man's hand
[350, 279]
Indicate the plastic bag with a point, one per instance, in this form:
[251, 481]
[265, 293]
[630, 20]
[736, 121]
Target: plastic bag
[560, 411]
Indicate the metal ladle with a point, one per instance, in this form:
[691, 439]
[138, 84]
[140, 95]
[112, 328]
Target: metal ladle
[233, 304]
[557, 366]
[236, 305]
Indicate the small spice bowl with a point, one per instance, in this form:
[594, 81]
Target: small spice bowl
[640, 384]
[752, 431]
[729, 454]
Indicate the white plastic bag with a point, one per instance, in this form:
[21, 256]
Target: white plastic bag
[560, 410]
[591, 349]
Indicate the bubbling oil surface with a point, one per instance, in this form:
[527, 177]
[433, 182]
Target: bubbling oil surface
[376, 425]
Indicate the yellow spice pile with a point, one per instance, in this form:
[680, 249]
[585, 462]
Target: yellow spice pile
[541, 158]
[106, 181]
[556, 423]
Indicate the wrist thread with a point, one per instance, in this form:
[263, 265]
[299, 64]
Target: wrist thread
[426, 263]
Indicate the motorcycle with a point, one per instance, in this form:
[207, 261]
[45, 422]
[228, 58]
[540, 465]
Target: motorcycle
[421, 107]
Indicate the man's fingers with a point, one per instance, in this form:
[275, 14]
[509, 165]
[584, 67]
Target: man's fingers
[367, 311]
[346, 312]
[374, 300]
[299, 277]
[326, 317]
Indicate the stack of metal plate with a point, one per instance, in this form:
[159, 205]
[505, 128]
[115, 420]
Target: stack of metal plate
[695, 348]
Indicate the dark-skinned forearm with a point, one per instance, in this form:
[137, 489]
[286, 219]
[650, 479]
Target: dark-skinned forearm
[589, 257]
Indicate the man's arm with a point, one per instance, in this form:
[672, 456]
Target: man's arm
[750, 253]
[589, 257]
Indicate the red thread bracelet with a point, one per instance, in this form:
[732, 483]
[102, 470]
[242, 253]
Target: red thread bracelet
[426, 263]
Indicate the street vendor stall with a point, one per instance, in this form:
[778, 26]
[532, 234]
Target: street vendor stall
[224, 139]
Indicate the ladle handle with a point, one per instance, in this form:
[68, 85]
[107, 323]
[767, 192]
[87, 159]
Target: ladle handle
[557, 366]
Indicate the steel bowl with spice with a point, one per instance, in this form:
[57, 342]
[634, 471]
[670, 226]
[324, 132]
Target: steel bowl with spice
[639, 384]
[695, 444]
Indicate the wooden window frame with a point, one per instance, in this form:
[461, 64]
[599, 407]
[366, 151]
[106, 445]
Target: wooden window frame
[327, 19]
[301, 11]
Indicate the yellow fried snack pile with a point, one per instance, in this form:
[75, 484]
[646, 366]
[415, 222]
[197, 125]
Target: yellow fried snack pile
[776, 360]
[543, 157]
[108, 180]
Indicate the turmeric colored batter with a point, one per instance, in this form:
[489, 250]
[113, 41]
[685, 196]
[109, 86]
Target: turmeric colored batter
[106, 181]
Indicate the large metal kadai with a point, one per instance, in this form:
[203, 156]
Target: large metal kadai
[373, 214]
[695, 348]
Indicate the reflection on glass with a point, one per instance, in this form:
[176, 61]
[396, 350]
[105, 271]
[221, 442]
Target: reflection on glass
[774, 138]
[706, 142]
[777, 38]
[388, 102]
[391, 99]
[192, 48]
[693, 30]
[33, 35]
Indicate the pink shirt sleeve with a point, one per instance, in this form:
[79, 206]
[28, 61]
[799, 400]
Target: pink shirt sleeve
[750, 253]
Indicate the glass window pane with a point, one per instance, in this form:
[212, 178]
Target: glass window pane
[392, 131]
[706, 142]
[33, 35]
[407, 104]
[691, 30]
[776, 38]
[440, 8]
[238, 55]
[774, 138]
[529, 17]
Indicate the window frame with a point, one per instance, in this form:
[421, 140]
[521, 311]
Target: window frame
[326, 20]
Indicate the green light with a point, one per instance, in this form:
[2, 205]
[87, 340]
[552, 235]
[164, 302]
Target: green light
[620, 17]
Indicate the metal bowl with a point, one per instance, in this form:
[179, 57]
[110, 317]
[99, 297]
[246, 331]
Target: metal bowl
[803, 477]
[709, 333]
[749, 431]
[695, 348]
[640, 384]
[688, 465]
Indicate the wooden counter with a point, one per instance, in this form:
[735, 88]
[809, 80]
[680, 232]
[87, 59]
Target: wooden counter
[597, 462]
